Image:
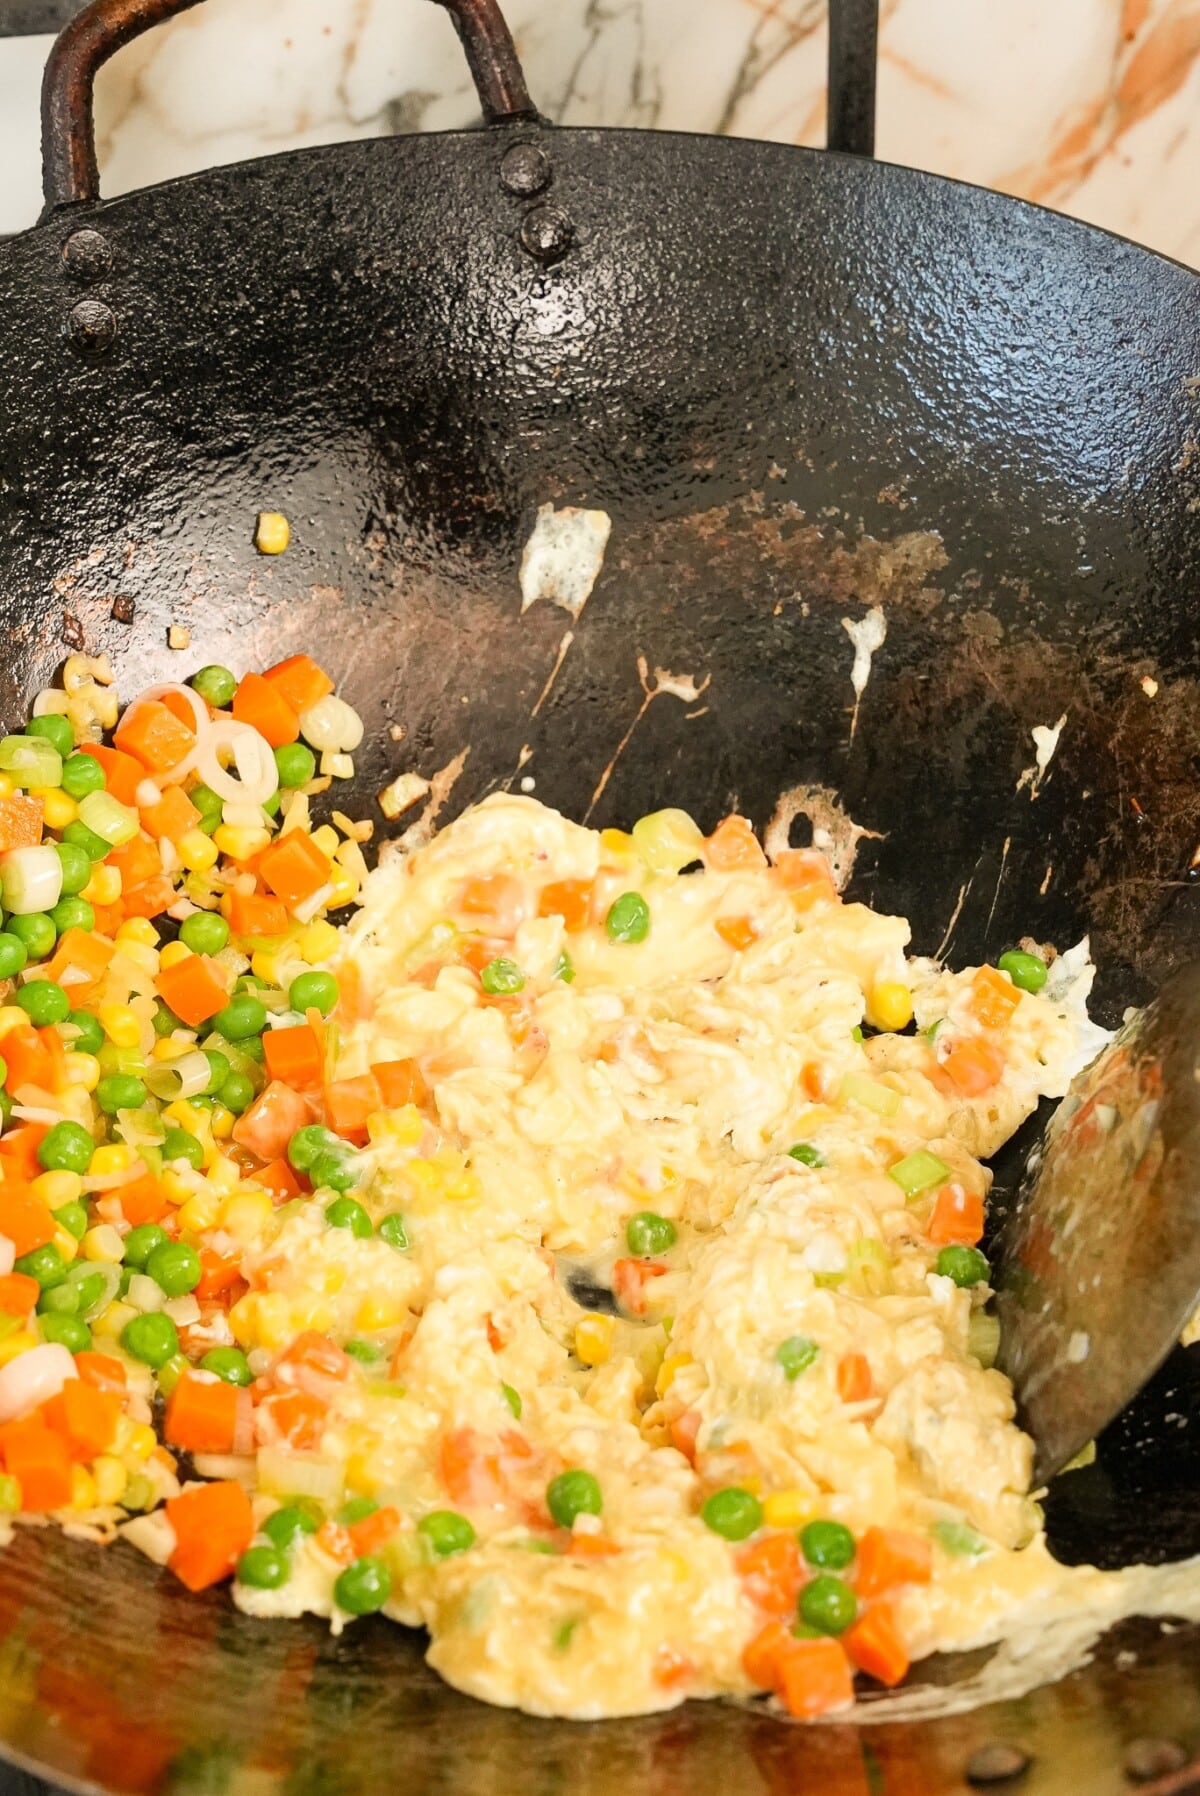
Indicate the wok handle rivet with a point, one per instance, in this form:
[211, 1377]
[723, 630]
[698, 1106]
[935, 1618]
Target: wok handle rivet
[86, 256]
[92, 327]
[547, 234]
[998, 1762]
[524, 170]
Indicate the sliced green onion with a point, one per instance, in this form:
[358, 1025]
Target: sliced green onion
[856, 1088]
[983, 1338]
[105, 817]
[31, 879]
[31, 760]
[917, 1172]
[869, 1268]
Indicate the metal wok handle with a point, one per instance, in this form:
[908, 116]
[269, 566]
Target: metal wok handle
[69, 172]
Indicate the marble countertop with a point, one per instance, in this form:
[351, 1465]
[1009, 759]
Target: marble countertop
[1090, 106]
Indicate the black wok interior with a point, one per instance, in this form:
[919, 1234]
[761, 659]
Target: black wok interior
[802, 386]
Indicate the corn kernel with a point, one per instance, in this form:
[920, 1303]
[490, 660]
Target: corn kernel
[142, 1440]
[83, 1070]
[890, 1006]
[197, 851]
[167, 1048]
[58, 809]
[667, 1371]
[379, 1312]
[318, 942]
[344, 888]
[111, 1477]
[243, 1318]
[404, 1126]
[222, 1122]
[326, 839]
[272, 964]
[239, 843]
[120, 1025]
[103, 1245]
[141, 956]
[138, 929]
[57, 1188]
[65, 1242]
[172, 953]
[112, 1320]
[246, 1214]
[200, 1212]
[181, 1113]
[789, 1508]
[593, 1339]
[15, 1344]
[104, 886]
[11, 1017]
[113, 1157]
[223, 1175]
[618, 844]
[83, 1488]
[175, 1187]
[7, 785]
[272, 533]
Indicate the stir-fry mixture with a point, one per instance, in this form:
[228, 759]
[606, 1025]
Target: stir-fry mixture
[578, 1255]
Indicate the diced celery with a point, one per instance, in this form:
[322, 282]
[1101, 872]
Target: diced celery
[32, 760]
[857, 1088]
[107, 818]
[917, 1172]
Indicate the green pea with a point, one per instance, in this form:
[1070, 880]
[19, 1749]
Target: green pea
[210, 806]
[337, 1172]
[120, 1091]
[215, 685]
[76, 868]
[164, 1021]
[355, 1509]
[55, 729]
[393, 1231]
[59, 1300]
[346, 1213]
[283, 1527]
[82, 774]
[152, 1338]
[67, 1331]
[175, 1268]
[44, 1001]
[263, 1568]
[573, 1493]
[628, 919]
[308, 1144]
[14, 955]
[179, 1145]
[37, 931]
[229, 1364]
[73, 913]
[807, 1154]
[45, 1264]
[218, 1071]
[796, 1354]
[732, 1513]
[502, 977]
[1027, 971]
[647, 1234]
[242, 1016]
[513, 1399]
[365, 1352]
[314, 991]
[363, 1587]
[141, 1242]
[66, 1147]
[447, 1532]
[829, 1545]
[295, 764]
[89, 1036]
[236, 1093]
[252, 1049]
[828, 1605]
[564, 968]
[204, 932]
[77, 833]
[74, 1218]
[965, 1265]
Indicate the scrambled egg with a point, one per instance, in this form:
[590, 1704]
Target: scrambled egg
[514, 1333]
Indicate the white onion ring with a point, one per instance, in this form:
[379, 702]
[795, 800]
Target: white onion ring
[32, 1378]
[252, 757]
[203, 726]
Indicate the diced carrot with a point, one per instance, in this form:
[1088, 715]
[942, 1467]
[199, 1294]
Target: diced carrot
[469, 1464]
[683, 1431]
[150, 899]
[294, 1056]
[336, 1543]
[38, 1459]
[19, 1148]
[122, 774]
[279, 1179]
[217, 1273]
[476, 950]
[24, 1218]
[672, 1670]
[374, 1531]
[570, 899]
[975, 1065]
[957, 1217]
[201, 1415]
[20, 822]
[771, 1571]
[136, 861]
[876, 1645]
[499, 901]
[312, 1352]
[761, 1658]
[592, 1546]
[294, 868]
[195, 989]
[271, 1121]
[299, 682]
[253, 913]
[889, 1557]
[263, 706]
[142, 1200]
[348, 1103]
[299, 1420]
[109, 918]
[101, 1372]
[52, 1041]
[630, 1282]
[85, 1417]
[18, 1292]
[733, 845]
[173, 815]
[804, 874]
[815, 1677]
[24, 1054]
[739, 932]
[82, 951]
[399, 1083]
[154, 735]
[854, 1381]
[993, 999]
[817, 1081]
[214, 1524]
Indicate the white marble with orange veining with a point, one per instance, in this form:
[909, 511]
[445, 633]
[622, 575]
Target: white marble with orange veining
[1091, 106]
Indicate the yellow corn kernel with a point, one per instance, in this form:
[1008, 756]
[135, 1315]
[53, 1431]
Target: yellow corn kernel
[141, 1440]
[141, 956]
[83, 1488]
[679, 1567]
[360, 1474]
[120, 1025]
[379, 1312]
[667, 1371]
[174, 1187]
[112, 1320]
[181, 1113]
[197, 851]
[57, 1188]
[404, 1126]
[890, 1006]
[18, 1343]
[104, 886]
[103, 1245]
[58, 809]
[113, 1157]
[222, 1122]
[167, 1048]
[246, 1214]
[243, 1318]
[7, 785]
[11, 1017]
[239, 843]
[65, 1242]
[344, 888]
[111, 1478]
[618, 844]
[318, 942]
[199, 1212]
[272, 533]
[223, 1174]
[138, 929]
[326, 839]
[83, 1070]
[334, 1280]
[172, 953]
[789, 1508]
[593, 1339]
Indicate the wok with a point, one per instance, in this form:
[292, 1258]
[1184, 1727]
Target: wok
[804, 385]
